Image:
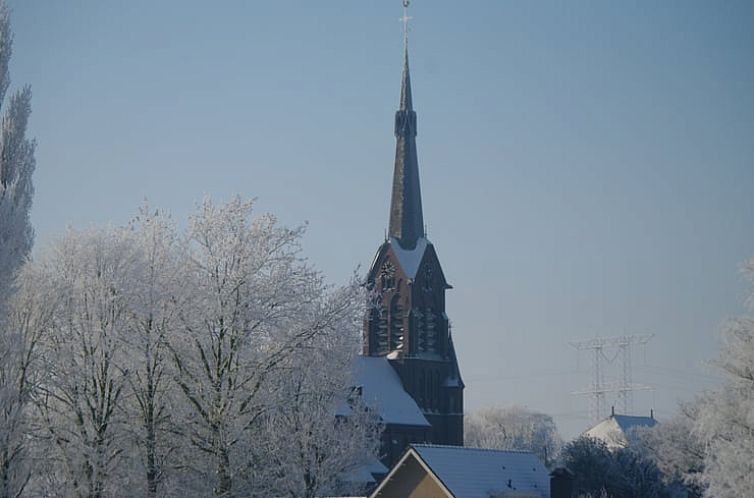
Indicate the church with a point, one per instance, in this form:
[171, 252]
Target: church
[408, 367]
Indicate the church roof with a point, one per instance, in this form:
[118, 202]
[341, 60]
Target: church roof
[381, 389]
[410, 259]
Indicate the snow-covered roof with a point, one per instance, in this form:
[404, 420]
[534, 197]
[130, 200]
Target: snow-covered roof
[410, 259]
[364, 474]
[381, 388]
[480, 473]
[616, 430]
[628, 422]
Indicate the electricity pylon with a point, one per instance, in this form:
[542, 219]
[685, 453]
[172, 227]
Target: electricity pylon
[624, 387]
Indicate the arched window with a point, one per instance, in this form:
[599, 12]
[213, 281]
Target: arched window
[379, 318]
[397, 335]
[430, 330]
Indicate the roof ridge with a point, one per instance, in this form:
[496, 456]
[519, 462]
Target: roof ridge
[453, 447]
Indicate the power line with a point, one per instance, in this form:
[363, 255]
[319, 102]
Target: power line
[684, 374]
[491, 378]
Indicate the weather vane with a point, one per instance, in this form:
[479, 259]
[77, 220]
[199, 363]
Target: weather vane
[405, 20]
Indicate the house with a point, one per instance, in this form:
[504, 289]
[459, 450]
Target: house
[616, 430]
[433, 471]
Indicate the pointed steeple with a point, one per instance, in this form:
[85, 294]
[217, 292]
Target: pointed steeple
[406, 219]
[406, 103]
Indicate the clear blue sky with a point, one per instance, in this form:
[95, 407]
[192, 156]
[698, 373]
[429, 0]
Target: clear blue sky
[587, 167]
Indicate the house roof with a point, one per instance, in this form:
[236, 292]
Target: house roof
[616, 429]
[364, 474]
[628, 422]
[481, 473]
[381, 389]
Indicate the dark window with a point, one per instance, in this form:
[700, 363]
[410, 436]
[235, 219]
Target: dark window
[387, 276]
[427, 278]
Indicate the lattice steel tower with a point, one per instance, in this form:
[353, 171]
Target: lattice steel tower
[601, 349]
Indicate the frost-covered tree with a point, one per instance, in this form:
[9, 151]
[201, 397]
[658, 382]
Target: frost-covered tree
[591, 463]
[79, 400]
[623, 473]
[182, 365]
[676, 449]
[252, 302]
[96, 307]
[28, 316]
[637, 476]
[726, 419]
[513, 428]
[156, 298]
[319, 435]
[16, 237]
[16, 167]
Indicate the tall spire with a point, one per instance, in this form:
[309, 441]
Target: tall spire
[406, 219]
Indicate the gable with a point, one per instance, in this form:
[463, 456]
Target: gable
[410, 478]
[409, 261]
[431, 259]
[433, 471]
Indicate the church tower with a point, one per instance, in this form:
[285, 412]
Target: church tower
[406, 322]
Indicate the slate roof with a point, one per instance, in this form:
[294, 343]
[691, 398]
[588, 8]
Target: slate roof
[480, 473]
[406, 218]
[381, 389]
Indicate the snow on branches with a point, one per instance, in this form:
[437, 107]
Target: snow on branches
[16, 167]
[16, 237]
[725, 422]
[514, 427]
[188, 364]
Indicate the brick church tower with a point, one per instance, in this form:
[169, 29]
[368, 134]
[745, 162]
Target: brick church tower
[406, 323]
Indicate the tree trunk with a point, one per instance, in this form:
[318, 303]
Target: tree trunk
[224, 479]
